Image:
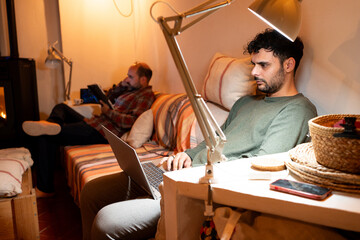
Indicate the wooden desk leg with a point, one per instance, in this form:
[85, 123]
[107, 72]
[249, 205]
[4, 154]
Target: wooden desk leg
[183, 215]
[170, 199]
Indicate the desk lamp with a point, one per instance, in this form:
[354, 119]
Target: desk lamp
[54, 58]
[282, 15]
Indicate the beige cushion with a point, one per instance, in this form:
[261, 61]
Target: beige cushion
[227, 80]
[141, 131]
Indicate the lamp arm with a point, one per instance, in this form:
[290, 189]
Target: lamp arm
[202, 113]
[213, 135]
[63, 58]
[70, 63]
[68, 85]
[201, 9]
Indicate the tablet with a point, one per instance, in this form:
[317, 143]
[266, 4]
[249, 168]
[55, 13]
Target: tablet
[100, 95]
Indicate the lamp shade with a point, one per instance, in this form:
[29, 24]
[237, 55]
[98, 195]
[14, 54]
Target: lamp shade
[282, 15]
[52, 60]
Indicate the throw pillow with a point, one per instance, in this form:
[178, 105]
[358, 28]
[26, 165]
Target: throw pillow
[141, 131]
[227, 80]
[167, 110]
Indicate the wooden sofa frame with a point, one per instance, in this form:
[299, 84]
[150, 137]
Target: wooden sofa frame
[19, 216]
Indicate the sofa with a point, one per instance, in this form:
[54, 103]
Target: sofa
[168, 127]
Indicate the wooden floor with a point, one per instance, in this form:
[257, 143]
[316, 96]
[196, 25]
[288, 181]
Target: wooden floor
[59, 216]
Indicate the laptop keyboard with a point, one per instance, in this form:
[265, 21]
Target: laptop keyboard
[153, 173]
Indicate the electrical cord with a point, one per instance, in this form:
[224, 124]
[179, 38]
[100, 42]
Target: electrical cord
[122, 14]
[168, 4]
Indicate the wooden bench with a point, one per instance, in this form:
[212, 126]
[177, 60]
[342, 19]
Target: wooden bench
[18, 215]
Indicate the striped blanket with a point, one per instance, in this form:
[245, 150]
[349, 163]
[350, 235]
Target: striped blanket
[173, 120]
[173, 123]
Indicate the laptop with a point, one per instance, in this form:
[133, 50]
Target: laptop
[87, 96]
[146, 175]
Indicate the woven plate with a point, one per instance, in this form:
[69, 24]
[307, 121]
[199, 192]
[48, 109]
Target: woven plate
[303, 164]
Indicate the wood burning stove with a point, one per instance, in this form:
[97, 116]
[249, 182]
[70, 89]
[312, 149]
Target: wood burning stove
[6, 108]
[18, 90]
[18, 99]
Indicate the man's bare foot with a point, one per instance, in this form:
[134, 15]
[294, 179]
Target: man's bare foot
[41, 194]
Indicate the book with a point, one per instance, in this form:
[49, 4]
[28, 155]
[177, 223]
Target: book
[100, 95]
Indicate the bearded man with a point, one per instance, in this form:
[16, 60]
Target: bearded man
[131, 97]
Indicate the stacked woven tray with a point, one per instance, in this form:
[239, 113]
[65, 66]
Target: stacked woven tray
[303, 164]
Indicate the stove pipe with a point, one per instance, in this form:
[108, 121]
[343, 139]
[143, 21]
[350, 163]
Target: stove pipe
[10, 9]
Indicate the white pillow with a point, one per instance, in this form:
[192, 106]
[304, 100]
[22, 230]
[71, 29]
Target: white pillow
[11, 176]
[227, 80]
[20, 153]
[13, 163]
[141, 131]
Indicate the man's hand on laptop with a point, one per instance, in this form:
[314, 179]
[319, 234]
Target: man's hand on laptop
[176, 162]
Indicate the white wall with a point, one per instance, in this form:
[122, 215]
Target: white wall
[328, 75]
[103, 44]
[99, 41]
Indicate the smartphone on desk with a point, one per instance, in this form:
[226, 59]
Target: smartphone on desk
[301, 189]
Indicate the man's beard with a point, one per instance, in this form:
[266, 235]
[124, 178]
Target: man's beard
[276, 83]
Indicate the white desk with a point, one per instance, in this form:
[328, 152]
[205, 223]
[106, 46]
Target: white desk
[87, 110]
[184, 205]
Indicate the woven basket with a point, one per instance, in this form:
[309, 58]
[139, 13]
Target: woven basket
[334, 152]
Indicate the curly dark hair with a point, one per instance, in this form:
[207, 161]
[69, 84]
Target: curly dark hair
[281, 47]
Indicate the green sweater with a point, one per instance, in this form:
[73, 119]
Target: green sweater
[259, 125]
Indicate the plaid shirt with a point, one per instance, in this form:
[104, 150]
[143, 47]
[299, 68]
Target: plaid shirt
[127, 109]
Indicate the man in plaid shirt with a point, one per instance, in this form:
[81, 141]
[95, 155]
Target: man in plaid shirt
[128, 106]
[131, 97]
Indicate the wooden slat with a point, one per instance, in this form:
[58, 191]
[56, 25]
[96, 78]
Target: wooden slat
[18, 215]
[26, 217]
[7, 228]
[26, 184]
